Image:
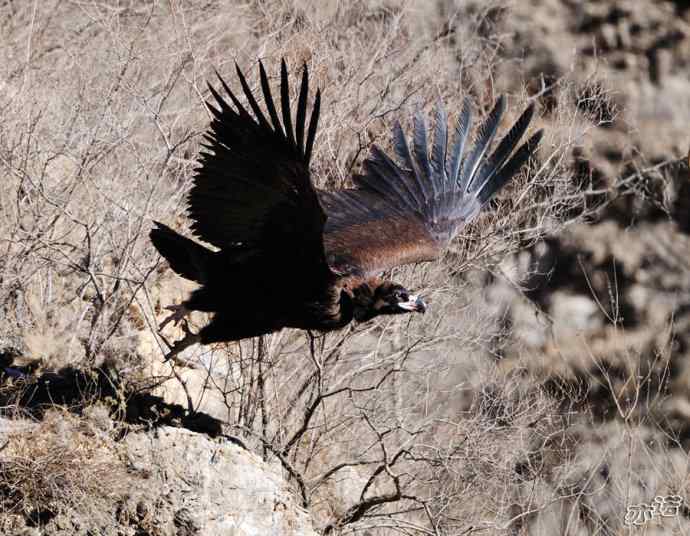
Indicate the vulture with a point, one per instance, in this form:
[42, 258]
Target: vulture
[286, 254]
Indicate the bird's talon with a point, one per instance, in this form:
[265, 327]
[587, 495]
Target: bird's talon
[179, 313]
[185, 327]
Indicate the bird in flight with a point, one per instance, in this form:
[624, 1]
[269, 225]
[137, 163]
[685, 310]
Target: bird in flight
[287, 254]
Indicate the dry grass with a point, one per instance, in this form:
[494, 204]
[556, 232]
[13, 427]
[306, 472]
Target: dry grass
[60, 465]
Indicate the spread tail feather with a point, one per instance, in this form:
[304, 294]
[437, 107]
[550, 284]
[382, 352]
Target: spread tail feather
[186, 257]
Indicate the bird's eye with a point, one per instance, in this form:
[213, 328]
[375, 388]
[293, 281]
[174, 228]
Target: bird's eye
[400, 295]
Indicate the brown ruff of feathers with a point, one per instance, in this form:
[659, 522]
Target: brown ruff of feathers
[289, 255]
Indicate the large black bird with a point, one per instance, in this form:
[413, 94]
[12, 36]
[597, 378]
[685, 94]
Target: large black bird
[289, 255]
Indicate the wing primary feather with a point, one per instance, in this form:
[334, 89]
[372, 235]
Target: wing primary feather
[235, 101]
[438, 151]
[486, 134]
[210, 139]
[403, 151]
[285, 102]
[250, 99]
[268, 98]
[386, 170]
[215, 111]
[521, 156]
[505, 148]
[384, 178]
[220, 100]
[461, 132]
[419, 144]
[313, 123]
[420, 147]
[302, 108]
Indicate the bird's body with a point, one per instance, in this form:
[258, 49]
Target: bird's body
[247, 297]
[289, 255]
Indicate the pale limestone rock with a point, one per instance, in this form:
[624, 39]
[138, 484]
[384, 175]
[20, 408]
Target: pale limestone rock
[217, 487]
[574, 313]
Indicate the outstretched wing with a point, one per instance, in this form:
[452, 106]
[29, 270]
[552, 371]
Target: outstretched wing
[253, 190]
[408, 212]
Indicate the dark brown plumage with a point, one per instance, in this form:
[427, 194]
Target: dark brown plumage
[288, 255]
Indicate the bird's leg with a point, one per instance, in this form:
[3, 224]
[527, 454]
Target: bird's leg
[180, 312]
[181, 345]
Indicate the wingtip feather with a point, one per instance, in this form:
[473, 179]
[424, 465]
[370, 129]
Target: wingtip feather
[285, 102]
[302, 109]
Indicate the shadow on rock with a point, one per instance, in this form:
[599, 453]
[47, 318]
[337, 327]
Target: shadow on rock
[75, 389]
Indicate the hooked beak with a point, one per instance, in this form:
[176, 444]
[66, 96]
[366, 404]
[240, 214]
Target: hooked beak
[415, 303]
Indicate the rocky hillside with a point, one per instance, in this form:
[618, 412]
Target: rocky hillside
[611, 294]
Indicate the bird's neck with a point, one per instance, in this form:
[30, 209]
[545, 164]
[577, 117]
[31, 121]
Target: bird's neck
[347, 307]
[362, 296]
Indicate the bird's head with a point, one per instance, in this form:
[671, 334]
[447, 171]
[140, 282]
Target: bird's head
[384, 298]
